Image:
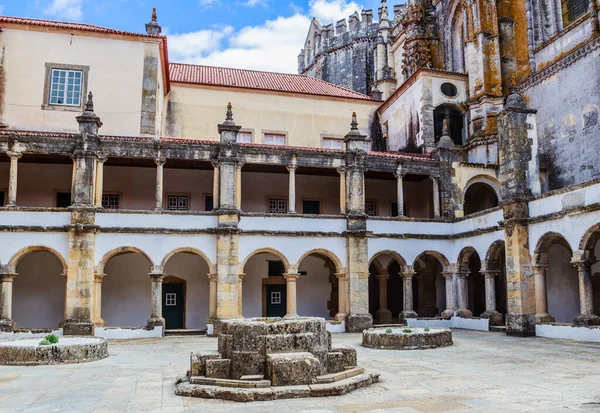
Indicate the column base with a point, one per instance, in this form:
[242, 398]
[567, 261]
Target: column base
[586, 320]
[448, 314]
[340, 317]
[544, 318]
[156, 322]
[406, 314]
[357, 323]
[7, 325]
[78, 328]
[495, 318]
[383, 316]
[520, 325]
[99, 323]
[464, 313]
[291, 316]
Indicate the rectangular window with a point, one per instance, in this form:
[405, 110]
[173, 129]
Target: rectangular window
[274, 139]
[63, 199]
[276, 269]
[177, 203]
[244, 137]
[209, 203]
[333, 143]
[311, 207]
[278, 206]
[2, 195]
[171, 299]
[573, 9]
[111, 201]
[371, 209]
[276, 297]
[65, 87]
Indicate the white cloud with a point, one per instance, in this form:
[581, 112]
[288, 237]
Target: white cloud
[1, 8]
[65, 9]
[271, 46]
[252, 3]
[207, 4]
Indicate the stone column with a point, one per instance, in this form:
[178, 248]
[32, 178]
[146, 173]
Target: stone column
[212, 307]
[238, 187]
[490, 297]
[436, 196]
[292, 189]
[6, 288]
[13, 177]
[583, 263]
[290, 303]
[240, 295]
[99, 189]
[407, 277]
[342, 172]
[98, 321]
[342, 296]
[156, 318]
[400, 191]
[216, 177]
[160, 162]
[541, 295]
[463, 295]
[449, 278]
[384, 315]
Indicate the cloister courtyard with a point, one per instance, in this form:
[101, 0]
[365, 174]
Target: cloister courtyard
[481, 372]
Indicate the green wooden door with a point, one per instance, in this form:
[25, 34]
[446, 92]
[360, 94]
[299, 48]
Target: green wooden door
[173, 306]
[276, 295]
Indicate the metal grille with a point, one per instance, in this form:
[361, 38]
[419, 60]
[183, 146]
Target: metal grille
[111, 201]
[277, 206]
[371, 209]
[573, 9]
[177, 203]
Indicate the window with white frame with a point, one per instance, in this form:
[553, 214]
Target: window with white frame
[371, 209]
[274, 139]
[277, 206]
[112, 201]
[177, 203]
[244, 137]
[333, 143]
[275, 297]
[66, 87]
[171, 299]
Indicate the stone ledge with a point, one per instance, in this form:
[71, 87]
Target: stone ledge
[243, 384]
[335, 377]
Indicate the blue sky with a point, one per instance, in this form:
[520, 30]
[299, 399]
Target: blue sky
[251, 34]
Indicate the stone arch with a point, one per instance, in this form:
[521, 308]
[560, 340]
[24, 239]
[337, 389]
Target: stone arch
[484, 179]
[469, 263]
[273, 251]
[16, 258]
[118, 251]
[318, 287]
[395, 255]
[545, 242]
[464, 257]
[590, 238]
[325, 253]
[438, 256]
[190, 250]
[429, 285]
[386, 290]
[495, 251]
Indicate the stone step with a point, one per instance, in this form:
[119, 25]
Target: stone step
[335, 377]
[498, 329]
[184, 332]
[256, 377]
[243, 384]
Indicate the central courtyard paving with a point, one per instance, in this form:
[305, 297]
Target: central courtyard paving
[482, 372]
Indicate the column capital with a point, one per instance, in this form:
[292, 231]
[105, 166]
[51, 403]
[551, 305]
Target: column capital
[98, 277]
[341, 169]
[101, 157]
[292, 168]
[409, 272]
[341, 276]
[241, 276]
[434, 176]
[14, 154]
[447, 274]
[215, 163]
[462, 274]
[213, 277]
[384, 275]
[291, 277]
[160, 160]
[400, 172]
[8, 278]
[489, 274]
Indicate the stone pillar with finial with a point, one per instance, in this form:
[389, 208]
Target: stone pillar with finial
[153, 28]
[356, 232]
[446, 140]
[519, 177]
[82, 234]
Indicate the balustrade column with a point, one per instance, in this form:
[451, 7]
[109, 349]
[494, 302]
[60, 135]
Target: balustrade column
[292, 189]
[586, 292]
[436, 196]
[449, 278]
[156, 318]
[13, 177]
[99, 181]
[400, 192]
[159, 183]
[98, 321]
[541, 295]
[342, 296]
[6, 289]
[463, 295]
[216, 177]
[407, 277]
[290, 303]
[342, 172]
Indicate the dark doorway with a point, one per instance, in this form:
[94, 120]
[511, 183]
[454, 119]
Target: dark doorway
[480, 197]
[455, 123]
[476, 286]
[173, 305]
[63, 199]
[311, 207]
[276, 298]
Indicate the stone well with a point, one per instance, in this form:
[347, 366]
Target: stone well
[397, 339]
[273, 358]
[68, 350]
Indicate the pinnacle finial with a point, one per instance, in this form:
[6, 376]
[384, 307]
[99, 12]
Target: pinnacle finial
[154, 17]
[354, 123]
[89, 105]
[514, 99]
[229, 116]
[445, 128]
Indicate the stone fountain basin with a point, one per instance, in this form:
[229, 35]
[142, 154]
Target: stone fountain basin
[69, 350]
[418, 339]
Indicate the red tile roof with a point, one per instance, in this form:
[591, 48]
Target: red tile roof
[68, 26]
[251, 79]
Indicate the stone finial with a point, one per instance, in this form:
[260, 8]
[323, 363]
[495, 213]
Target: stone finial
[354, 140]
[354, 124]
[229, 126]
[89, 105]
[154, 18]
[445, 140]
[229, 115]
[89, 122]
[153, 28]
[514, 99]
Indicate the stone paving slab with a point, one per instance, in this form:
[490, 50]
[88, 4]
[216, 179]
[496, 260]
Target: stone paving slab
[482, 372]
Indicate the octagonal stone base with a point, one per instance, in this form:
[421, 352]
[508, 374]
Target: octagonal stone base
[417, 339]
[69, 350]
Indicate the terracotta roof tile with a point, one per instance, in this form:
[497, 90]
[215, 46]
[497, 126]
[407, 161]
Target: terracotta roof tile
[251, 79]
[68, 26]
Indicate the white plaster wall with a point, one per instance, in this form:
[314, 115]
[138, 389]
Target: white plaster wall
[562, 285]
[564, 201]
[478, 324]
[194, 270]
[278, 223]
[572, 227]
[127, 333]
[156, 246]
[35, 218]
[398, 115]
[314, 288]
[126, 290]
[563, 44]
[167, 221]
[39, 291]
[12, 242]
[568, 332]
